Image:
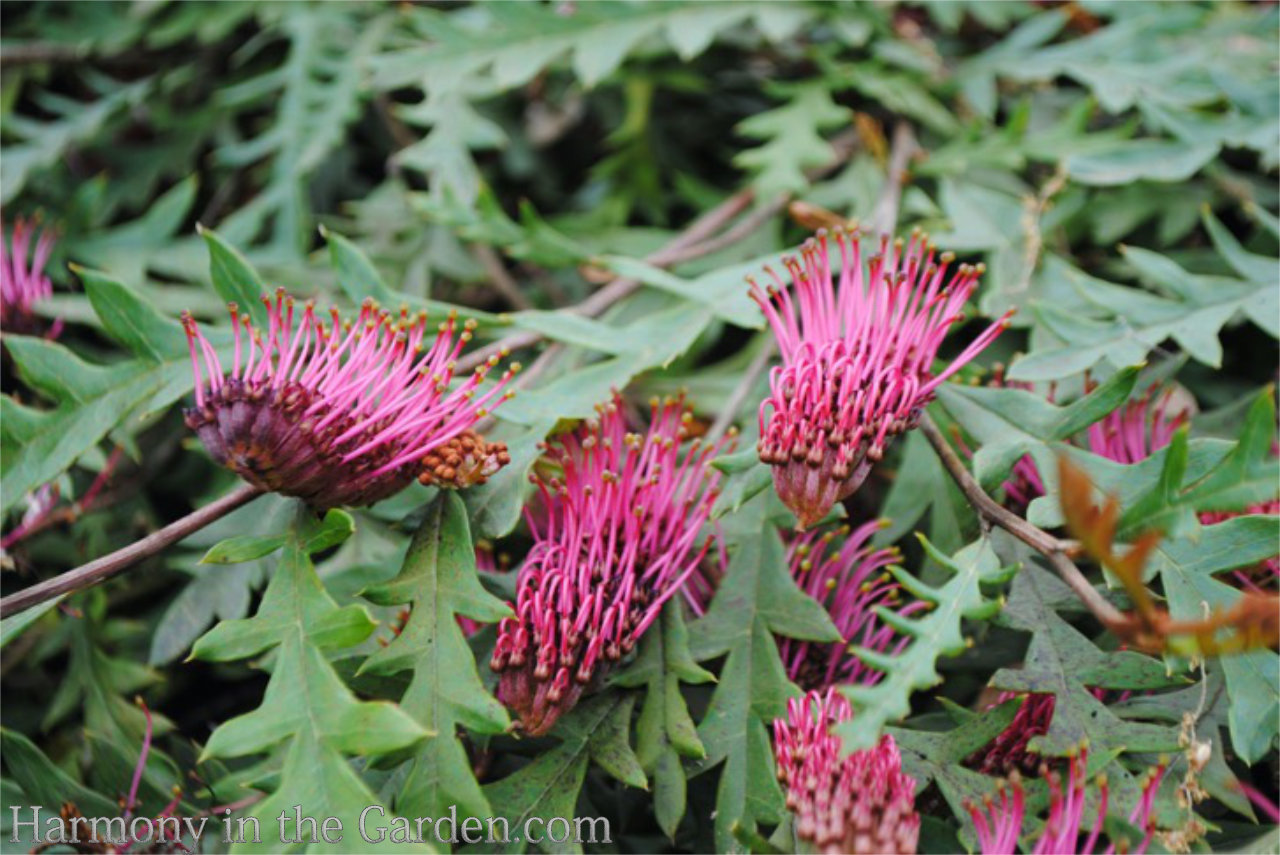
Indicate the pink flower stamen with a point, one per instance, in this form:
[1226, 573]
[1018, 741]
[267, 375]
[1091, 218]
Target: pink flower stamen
[857, 357]
[856, 804]
[343, 414]
[1127, 435]
[616, 534]
[998, 822]
[23, 282]
[840, 569]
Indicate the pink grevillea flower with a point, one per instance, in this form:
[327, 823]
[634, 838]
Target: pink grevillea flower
[857, 360]
[343, 414]
[855, 804]
[1010, 751]
[998, 821]
[840, 569]
[23, 282]
[1139, 429]
[1127, 435]
[616, 534]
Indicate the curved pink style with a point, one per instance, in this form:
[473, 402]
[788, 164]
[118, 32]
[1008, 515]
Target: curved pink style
[841, 570]
[861, 803]
[23, 282]
[617, 534]
[857, 360]
[337, 413]
[998, 821]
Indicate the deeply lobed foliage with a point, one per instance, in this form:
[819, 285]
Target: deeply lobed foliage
[589, 185]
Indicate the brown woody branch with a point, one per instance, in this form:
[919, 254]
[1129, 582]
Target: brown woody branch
[101, 569]
[726, 416]
[32, 53]
[1056, 551]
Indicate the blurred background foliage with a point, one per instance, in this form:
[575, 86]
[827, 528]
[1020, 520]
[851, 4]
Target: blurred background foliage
[1113, 164]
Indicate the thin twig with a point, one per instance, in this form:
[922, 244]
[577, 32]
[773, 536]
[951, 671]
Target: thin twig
[884, 217]
[104, 568]
[741, 229]
[729, 411]
[503, 282]
[1056, 551]
[32, 53]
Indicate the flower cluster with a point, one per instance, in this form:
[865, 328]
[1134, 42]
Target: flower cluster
[857, 360]
[998, 821]
[343, 413]
[23, 282]
[855, 804]
[616, 534]
[840, 569]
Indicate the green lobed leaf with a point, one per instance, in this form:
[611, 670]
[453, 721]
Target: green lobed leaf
[938, 757]
[40, 144]
[91, 400]
[318, 91]
[665, 731]
[317, 782]
[234, 278]
[548, 787]
[439, 582]
[921, 486]
[43, 783]
[936, 633]
[756, 599]
[793, 141]
[1010, 423]
[295, 602]
[1129, 322]
[1188, 569]
[236, 550]
[306, 699]
[1062, 662]
[130, 320]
